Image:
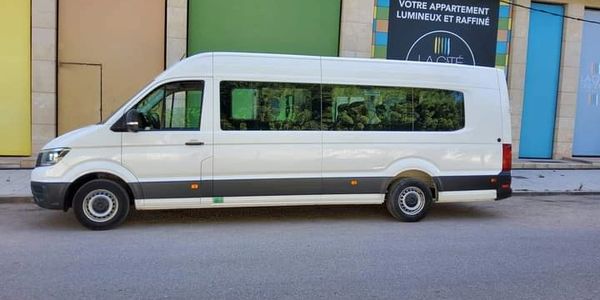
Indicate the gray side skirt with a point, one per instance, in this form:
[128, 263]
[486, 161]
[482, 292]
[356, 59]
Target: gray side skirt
[296, 186]
[260, 187]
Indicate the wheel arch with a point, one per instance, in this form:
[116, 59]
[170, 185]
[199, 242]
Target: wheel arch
[416, 168]
[87, 177]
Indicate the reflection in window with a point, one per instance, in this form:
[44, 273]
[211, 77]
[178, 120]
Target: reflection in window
[438, 110]
[270, 106]
[350, 108]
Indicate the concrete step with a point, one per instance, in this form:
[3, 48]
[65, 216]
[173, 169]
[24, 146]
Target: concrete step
[17, 163]
[551, 164]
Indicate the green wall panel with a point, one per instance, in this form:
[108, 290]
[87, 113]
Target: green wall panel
[308, 27]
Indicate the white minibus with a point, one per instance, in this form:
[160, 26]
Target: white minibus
[246, 130]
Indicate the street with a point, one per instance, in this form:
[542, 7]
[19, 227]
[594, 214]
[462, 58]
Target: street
[543, 247]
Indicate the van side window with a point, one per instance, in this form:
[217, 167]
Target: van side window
[438, 110]
[270, 106]
[173, 106]
[370, 108]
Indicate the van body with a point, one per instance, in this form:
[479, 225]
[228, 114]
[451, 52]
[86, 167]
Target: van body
[239, 130]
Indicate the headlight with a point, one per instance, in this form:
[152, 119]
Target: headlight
[51, 156]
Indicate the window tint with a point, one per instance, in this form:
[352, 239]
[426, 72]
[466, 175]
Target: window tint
[438, 110]
[173, 106]
[349, 108]
[270, 106]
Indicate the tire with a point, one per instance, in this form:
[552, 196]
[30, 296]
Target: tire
[101, 204]
[409, 200]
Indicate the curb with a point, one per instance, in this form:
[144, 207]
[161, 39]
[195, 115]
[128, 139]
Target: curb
[16, 199]
[554, 193]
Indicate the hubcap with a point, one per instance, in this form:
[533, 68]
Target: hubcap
[100, 205]
[411, 200]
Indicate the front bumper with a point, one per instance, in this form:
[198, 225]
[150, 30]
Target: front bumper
[50, 195]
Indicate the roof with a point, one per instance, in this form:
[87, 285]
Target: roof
[302, 68]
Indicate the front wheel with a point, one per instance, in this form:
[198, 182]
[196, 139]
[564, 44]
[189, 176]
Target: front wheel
[409, 200]
[101, 204]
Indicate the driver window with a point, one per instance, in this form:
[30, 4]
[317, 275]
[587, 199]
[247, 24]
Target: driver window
[173, 106]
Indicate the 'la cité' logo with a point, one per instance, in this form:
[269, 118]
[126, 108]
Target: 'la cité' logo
[441, 46]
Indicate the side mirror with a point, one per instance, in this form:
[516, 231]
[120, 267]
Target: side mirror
[133, 119]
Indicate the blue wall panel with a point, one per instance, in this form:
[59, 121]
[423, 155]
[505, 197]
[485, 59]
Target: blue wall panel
[586, 141]
[541, 81]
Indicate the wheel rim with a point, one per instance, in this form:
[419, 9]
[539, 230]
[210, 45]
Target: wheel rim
[100, 205]
[411, 200]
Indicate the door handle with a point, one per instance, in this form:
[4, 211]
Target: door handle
[194, 143]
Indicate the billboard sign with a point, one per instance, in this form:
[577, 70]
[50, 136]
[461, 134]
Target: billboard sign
[445, 31]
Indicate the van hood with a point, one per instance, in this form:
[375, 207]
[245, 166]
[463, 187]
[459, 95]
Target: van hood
[89, 136]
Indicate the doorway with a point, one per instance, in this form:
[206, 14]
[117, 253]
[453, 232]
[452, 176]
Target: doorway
[107, 50]
[541, 81]
[586, 139]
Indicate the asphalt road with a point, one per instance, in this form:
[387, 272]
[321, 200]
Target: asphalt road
[545, 247]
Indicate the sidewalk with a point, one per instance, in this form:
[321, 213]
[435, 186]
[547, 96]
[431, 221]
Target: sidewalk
[556, 181]
[15, 183]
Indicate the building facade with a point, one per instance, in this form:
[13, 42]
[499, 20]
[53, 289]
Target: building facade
[73, 62]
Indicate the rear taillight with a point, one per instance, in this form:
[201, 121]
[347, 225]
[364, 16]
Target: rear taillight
[506, 157]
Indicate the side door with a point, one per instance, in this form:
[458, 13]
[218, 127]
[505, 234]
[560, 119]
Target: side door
[267, 142]
[171, 154]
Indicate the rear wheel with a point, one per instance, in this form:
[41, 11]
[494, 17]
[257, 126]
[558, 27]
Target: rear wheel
[101, 204]
[409, 200]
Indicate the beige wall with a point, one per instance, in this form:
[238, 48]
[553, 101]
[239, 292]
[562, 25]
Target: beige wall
[516, 69]
[44, 54]
[356, 37]
[43, 80]
[355, 41]
[43, 50]
[176, 30]
[356, 30]
[569, 73]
